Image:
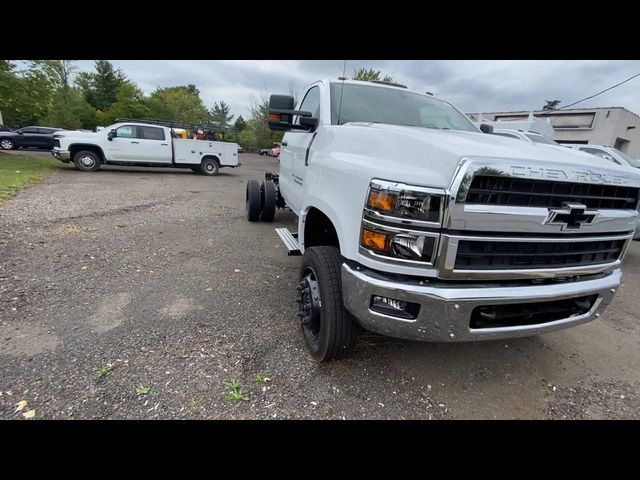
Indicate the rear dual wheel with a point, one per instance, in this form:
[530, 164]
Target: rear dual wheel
[254, 201]
[268, 194]
[261, 201]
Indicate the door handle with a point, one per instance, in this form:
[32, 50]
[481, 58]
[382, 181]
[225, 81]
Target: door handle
[135, 142]
[284, 144]
[165, 144]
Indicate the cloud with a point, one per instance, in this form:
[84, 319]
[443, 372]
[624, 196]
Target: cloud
[471, 85]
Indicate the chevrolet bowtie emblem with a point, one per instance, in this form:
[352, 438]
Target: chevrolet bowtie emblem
[571, 216]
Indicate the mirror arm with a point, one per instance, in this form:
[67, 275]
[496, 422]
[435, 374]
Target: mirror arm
[296, 113]
[289, 126]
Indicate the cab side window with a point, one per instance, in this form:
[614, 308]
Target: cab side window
[151, 133]
[127, 131]
[311, 102]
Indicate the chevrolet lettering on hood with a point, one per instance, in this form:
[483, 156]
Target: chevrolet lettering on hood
[586, 176]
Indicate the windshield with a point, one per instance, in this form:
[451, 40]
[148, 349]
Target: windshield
[630, 160]
[541, 139]
[394, 106]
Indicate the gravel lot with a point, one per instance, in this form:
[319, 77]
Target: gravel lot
[156, 276]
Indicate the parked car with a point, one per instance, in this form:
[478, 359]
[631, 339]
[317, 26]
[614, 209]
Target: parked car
[143, 142]
[35, 137]
[608, 153]
[265, 151]
[413, 223]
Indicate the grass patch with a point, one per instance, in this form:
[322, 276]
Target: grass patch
[18, 171]
[104, 371]
[142, 390]
[235, 392]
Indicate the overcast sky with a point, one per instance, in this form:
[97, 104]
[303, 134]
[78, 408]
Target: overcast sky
[471, 85]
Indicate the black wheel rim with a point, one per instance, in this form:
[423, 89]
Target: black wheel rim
[309, 304]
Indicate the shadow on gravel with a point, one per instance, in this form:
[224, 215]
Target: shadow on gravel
[151, 170]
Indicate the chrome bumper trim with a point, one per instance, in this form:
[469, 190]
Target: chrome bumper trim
[445, 309]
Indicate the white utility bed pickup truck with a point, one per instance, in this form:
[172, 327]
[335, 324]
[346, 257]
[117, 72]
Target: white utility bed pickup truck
[415, 223]
[144, 144]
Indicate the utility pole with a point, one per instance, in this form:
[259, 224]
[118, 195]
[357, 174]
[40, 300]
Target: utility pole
[1, 121]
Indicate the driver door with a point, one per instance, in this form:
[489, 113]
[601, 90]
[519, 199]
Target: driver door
[28, 137]
[125, 146]
[294, 153]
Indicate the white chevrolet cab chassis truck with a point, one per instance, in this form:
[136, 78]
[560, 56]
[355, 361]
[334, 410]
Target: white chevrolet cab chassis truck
[416, 224]
[142, 143]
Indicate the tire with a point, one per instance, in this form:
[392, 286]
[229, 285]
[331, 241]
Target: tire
[209, 167]
[329, 330]
[86, 161]
[7, 144]
[254, 201]
[268, 197]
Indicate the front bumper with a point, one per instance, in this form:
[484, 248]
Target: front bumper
[62, 155]
[445, 308]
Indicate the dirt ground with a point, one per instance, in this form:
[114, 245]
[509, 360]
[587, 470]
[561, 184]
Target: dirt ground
[155, 277]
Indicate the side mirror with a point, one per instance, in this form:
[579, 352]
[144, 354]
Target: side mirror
[486, 128]
[19, 132]
[111, 135]
[281, 114]
[607, 157]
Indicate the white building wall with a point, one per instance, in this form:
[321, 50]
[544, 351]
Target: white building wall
[609, 125]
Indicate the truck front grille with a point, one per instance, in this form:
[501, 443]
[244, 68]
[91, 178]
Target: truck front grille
[511, 255]
[526, 192]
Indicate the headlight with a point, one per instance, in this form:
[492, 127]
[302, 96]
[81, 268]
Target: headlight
[399, 221]
[404, 201]
[412, 246]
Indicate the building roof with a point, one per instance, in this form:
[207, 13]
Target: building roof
[568, 110]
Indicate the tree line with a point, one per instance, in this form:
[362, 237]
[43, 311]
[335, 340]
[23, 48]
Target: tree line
[53, 93]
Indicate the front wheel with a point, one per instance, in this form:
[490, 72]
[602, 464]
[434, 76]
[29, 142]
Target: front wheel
[86, 161]
[209, 167]
[328, 328]
[7, 144]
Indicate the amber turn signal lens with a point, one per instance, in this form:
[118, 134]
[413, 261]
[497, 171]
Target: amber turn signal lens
[384, 201]
[275, 117]
[374, 240]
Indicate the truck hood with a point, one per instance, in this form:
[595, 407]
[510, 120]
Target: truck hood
[432, 156]
[478, 144]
